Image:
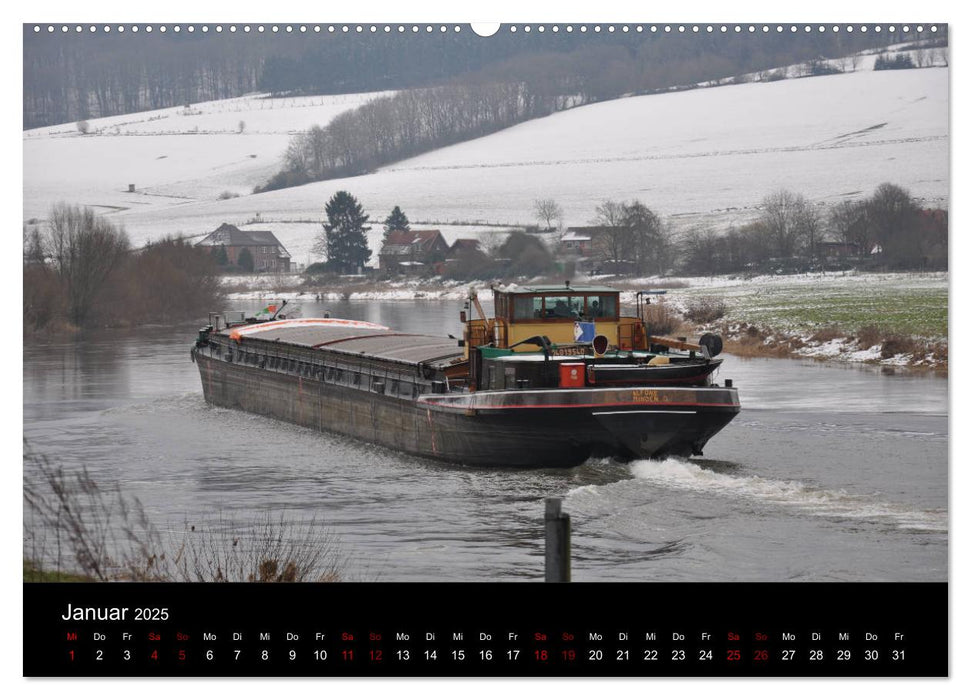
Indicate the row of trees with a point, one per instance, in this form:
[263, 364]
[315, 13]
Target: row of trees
[73, 77]
[389, 129]
[887, 230]
[81, 272]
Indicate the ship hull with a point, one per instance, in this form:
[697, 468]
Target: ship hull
[542, 428]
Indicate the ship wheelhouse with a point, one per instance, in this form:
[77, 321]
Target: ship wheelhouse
[554, 312]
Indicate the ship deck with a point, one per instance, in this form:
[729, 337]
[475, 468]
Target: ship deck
[357, 338]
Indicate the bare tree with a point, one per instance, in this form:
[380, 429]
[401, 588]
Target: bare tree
[810, 222]
[850, 221]
[33, 245]
[700, 252]
[782, 213]
[84, 250]
[549, 211]
[614, 238]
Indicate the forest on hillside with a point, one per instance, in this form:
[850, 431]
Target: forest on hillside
[71, 76]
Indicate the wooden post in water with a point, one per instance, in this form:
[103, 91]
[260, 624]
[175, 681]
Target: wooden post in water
[557, 542]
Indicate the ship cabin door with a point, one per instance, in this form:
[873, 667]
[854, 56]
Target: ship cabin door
[553, 313]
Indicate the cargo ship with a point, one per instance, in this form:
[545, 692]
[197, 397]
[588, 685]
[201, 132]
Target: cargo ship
[555, 376]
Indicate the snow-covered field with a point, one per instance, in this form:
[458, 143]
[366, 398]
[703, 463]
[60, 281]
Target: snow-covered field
[175, 157]
[706, 155]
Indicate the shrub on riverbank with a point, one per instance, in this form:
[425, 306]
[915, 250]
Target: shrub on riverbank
[705, 309]
[81, 273]
[661, 319]
[870, 345]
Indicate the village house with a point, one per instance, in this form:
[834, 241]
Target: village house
[412, 251]
[462, 245]
[578, 241]
[267, 253]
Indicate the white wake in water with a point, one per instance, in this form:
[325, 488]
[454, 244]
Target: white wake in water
[679, 474]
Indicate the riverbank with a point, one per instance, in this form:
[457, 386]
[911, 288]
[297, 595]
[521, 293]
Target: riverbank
[896, 320]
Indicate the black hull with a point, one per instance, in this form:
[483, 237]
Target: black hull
[683, 374]
[549, 428]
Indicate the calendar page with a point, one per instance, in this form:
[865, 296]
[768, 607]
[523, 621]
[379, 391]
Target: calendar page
[540, 349]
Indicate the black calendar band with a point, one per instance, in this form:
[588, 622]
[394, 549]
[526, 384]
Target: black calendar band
[473, 629]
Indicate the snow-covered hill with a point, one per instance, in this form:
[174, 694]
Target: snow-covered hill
[174, 156]
[706, 155]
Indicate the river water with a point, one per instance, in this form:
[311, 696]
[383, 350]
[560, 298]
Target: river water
[830, 473]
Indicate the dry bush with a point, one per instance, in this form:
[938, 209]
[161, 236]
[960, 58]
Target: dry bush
[72, 524]
[868, 336]
[661, 319]
[826, 334]
[898, 345]
[749, 346]
[169, 280]
[939, 351]
[45, 303]
[705, 309]
[270, 551]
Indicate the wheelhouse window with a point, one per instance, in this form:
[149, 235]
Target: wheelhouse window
[526, 308]
[563, 307]
[602, 306]
[558, 306]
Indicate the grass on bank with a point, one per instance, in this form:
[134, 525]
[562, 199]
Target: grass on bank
[35, 573]
[906, 312]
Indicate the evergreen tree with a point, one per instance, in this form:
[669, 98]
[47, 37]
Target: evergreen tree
[396, 221]
[343, 240]
[220, 256]
[245, 260]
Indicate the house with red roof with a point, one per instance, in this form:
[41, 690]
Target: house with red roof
[412, 251]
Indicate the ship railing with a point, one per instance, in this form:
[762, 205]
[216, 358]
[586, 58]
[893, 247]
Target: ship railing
[386, 381]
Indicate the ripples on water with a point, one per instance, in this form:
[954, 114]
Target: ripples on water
[828, 474]
[681, 475]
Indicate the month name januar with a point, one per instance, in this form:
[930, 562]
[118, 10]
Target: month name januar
[74, 613]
